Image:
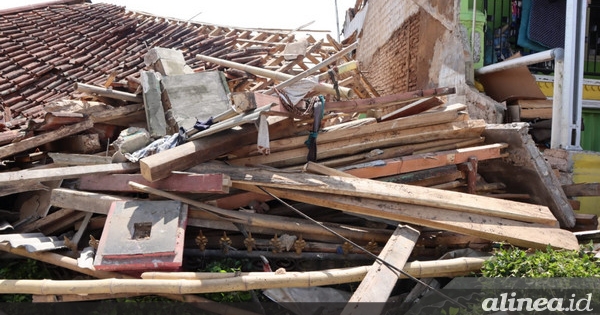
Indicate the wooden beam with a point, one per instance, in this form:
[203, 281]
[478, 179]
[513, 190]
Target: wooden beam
[403, 150]
[525, 170]
[419, 162]
[109, 115]
[263, 220]
[57, 173]
[83, 201]
[33, 142]
[517, 233]
[160, 165]
[49, 219]
[177, 182]
[401, 193]
[66, 159]
[66, 223]
[582, 189]
[447, 115]
[413, 108]
[378, 283]
[361, 143]
[361, 105]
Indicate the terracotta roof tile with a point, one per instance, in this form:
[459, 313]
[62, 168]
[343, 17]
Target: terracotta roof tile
[45, 50]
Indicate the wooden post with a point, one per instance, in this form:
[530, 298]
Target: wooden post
[379, 282]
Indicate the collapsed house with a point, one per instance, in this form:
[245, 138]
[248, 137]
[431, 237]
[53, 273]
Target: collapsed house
[132, 144]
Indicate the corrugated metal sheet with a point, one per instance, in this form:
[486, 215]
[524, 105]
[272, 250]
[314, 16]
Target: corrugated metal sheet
[33, 242]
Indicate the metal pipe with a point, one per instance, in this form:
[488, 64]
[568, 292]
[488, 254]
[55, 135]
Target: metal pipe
[552, 54]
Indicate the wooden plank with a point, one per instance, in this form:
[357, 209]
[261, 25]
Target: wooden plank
[361, 143]
[238, 200]
[418, 162]
[448, 114]
[63, 224]
[528, 235]
[428, 177]
[361, 105]
[532, 113]
[582, 189]
[268, 221]
[66, 159]
[378, 283]
[49, 219]
[413, 108]
[30, 143]
[184, 156]
[57, 173]
[321, 169]
[524, 103]
[403, 150]
[178, 182]
[6, 190]
[112, 115]
[83, 201]
[525, 170]
[401, 193]
[231, 122]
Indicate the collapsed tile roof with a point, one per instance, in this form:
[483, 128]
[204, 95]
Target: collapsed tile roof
[45, 49]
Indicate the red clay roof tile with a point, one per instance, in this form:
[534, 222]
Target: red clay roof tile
[44, 50]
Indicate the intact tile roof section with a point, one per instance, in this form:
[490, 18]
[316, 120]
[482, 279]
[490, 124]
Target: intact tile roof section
[44, 51]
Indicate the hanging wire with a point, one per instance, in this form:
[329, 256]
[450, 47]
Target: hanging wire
[395, 269]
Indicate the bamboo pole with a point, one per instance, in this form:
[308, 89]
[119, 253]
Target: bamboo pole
[71, 264]
[275, 75]
[244, 282]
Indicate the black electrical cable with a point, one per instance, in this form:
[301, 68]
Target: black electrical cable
[382, 261]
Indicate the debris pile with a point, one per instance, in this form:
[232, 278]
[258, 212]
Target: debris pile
[303, 166]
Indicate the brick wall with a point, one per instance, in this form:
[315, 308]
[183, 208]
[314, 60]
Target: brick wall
[409, 45]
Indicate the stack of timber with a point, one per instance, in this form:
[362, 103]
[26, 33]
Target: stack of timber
[405, 178]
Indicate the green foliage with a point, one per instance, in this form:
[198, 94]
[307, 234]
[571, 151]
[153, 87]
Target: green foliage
[223, 266]
[22, 269]
[551, 263]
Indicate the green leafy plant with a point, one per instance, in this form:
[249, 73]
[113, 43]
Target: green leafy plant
[551, 263]
[22, 269]
[223, 266]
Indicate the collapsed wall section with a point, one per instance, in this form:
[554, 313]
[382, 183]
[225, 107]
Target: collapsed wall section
[418, 44]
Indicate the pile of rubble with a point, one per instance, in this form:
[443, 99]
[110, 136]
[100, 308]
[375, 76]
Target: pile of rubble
[287, 166]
